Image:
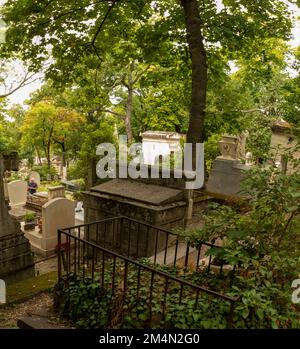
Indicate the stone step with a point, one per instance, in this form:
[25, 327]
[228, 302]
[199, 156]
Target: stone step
[38, 323]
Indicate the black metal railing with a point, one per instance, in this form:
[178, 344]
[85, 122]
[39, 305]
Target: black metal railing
[108, 251]
[135, 239]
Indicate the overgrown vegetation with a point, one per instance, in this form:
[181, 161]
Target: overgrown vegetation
[260, 236]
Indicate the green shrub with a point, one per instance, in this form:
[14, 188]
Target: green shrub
[44, 171]
[29, 217]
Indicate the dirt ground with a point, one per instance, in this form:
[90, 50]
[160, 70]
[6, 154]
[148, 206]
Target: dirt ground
[11, 313]
[42, 303]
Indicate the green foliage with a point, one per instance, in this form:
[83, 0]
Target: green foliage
[29, 217]
[147, 53]
[262, 238]
[44, 171]
[86, 303]
[211, 148]
[92, 135]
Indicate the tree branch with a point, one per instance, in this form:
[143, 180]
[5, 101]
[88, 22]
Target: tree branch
[98, 109]
[103, 21]
[140, 74]
[61, 15]
[112, 112]
[25, 81]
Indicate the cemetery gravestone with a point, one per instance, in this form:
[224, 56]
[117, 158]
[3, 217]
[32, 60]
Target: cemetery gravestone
[36, 176]
[227, 170]
[17, 192]
[56, 192]
[56, 213]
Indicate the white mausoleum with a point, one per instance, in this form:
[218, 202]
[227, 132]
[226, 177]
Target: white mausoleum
[156, 143]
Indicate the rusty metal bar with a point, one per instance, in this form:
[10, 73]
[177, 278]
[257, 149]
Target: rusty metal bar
[159, 272]
[93, 262]
[175, 256]
[59, 253]
[156, 241]
[166, 248]
[151, 294]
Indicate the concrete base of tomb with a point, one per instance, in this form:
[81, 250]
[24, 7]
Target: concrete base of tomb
[225, 177]
[16, 258]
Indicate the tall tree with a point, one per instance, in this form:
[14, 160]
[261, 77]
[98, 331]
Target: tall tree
[46, 125]
[71, 32]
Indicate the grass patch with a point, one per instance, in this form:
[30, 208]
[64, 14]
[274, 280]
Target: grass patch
[25, 289]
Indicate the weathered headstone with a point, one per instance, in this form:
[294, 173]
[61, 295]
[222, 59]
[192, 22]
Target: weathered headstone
[36, 176]
[56, 213]
[227, 170]
[16, 259]
[56, 192]
[17, 192]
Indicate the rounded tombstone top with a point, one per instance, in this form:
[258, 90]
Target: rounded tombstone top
[281, 126]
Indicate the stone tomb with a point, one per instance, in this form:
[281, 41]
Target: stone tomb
[17, 192]
[282, 141]
[156, 205]
[56, 213]
[16, 258]
[228, 169]
[56, 192]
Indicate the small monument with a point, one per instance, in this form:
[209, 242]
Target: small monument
[282, 141]
[227, 171]
[159, 143]
[17, 192]
[56, 213]
[16, 258]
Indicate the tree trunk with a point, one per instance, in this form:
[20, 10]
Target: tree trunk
[197, 51]
[91, 174]
[48, 155]
[129, 113]
[38, 155]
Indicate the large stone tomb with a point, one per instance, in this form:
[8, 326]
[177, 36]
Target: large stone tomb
[16, 258]
[159, 206]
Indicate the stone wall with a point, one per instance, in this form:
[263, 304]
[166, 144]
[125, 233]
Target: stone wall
[16, 258]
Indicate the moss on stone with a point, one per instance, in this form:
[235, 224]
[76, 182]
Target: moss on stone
[25, 289]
